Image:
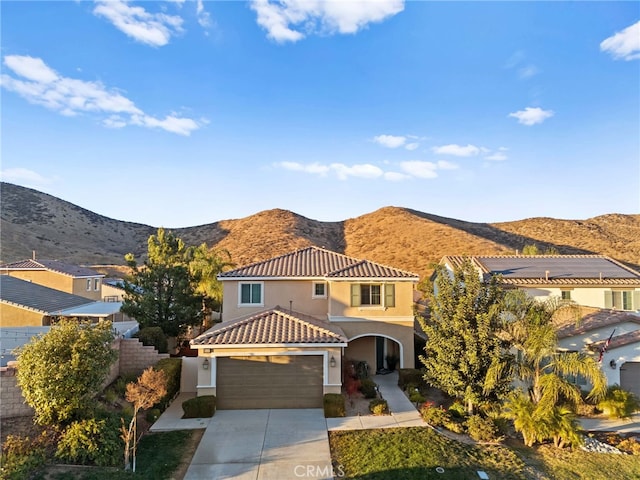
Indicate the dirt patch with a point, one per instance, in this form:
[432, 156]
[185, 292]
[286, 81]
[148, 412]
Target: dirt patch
[19, 426]
[356, 405]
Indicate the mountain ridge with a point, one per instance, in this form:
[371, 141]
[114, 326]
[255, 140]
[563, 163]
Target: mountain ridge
[401, 237]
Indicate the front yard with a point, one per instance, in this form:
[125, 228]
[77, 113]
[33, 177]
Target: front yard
[416, 453]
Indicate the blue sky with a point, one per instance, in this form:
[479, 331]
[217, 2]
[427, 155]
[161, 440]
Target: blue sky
[182, 113]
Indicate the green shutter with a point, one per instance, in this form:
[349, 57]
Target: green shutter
[355, 295]
[608, 299]
[636, 300]
[389, 295]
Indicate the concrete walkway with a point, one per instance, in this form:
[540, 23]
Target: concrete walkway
[403, 412]
[171, 418]
[263, 445]
[620, 425]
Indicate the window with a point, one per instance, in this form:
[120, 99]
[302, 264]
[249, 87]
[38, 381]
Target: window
[565, 295]
[319, 290]
[250, 293]
[96, 284]
[622, 299]
[88, 284]
[371, 294]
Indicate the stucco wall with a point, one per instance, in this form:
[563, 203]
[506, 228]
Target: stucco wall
[340, 303]
[12, 316]
[587, 296]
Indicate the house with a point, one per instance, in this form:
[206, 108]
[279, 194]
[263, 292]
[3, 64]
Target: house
[80, 281]
[290, 324]
[620, 356]
[590, 280]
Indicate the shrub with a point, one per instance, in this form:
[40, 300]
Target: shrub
[21, 457]
[457, 410]
[410, 375]
[90, 442]
[155, 337]
[619, 403]
[172, 368]
[368, 388]
[199, 407]
[482, 429]
[392, 361]
[152, 415]
[630, 445]
[378, 406]
[120, 385]
[454, 425]
[416, 397]
[333, 404]
[434, 416]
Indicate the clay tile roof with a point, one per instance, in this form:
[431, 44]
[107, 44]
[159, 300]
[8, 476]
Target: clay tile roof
[272, 326]
[315, 262]
[51, 265]
[617, 341]
[554, 269]
[594, 319]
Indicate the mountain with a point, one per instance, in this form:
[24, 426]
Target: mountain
[408, 239]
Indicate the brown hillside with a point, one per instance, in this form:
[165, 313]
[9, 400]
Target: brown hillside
[403, 238]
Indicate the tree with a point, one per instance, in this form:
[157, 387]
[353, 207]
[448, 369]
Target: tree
[61, 372]
[161, 293]
[462, 341]
[143, 394]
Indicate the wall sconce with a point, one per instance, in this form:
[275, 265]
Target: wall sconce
[332, 362]
[205, 364]
[612, 363]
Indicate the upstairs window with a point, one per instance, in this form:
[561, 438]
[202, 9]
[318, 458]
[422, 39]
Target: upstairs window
[319, 290]
[373, 294]
[88, 284]
[96, 284]
[622, 299]
[250, 294]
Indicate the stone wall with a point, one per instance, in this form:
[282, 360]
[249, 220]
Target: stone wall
[134, 357]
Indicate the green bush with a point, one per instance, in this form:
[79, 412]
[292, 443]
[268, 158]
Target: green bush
[457, 410]
[199, 407]
[89, 442]
[368, 388]
[155, 337]
[172, 367]
[482, 429]
[120, 385]
[434, 416]
[152, 415]
[21, 457]
[333, 404]
[378, 406]
[410, 375]
[416, 397]
[456, 426]
[619, 403]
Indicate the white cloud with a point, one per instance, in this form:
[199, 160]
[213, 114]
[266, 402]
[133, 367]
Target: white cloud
[395, 176]
[23, 176]
[364, 170]
[532, 115]
[315, 168]
[204, 18]
[444, 165]
[457, 150]
[153, 29]
[390, 141]
[41, 85]
[412, 146]
[528, 71]
[283, 19]
[496, 157]
[420, 169]
[625, 44]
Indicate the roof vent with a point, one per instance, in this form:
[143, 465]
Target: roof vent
[600, 276]
[546, 275]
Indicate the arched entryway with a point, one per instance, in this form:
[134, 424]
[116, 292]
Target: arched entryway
[377, 350]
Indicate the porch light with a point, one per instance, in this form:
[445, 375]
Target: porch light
[612, 363]
[205, 364]
[332, 362]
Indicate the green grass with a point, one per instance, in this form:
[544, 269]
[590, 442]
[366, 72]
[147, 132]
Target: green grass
[414, 453]
[159, 455]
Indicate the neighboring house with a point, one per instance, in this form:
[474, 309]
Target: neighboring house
[27, 304]
[112, 289]
[61, 276]
[590, 280]
[292, 322]
[620, 359]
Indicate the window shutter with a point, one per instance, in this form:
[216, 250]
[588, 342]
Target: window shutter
[636, 300]
[389, 295]
[608, 299]
[355, 295]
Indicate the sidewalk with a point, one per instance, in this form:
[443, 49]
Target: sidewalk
[620, 425]
[171, 418]
[403, 412]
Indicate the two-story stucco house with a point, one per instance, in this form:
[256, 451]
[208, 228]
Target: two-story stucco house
[290, 323]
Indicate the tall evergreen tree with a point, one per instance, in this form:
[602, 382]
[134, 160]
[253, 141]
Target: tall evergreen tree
[462, 335]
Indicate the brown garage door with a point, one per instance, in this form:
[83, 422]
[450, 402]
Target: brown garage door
[277, 381]
[630, 377]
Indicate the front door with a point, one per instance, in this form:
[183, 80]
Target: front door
[379, 353]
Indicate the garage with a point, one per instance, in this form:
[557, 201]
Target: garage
[630, 377]
[274, 381]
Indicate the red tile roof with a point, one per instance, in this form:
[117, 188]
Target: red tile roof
[275, 326]
[598, 318]
[617, 341]
[315, 262]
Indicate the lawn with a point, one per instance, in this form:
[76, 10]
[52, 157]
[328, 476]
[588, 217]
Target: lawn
[415, 453]
[160, 456]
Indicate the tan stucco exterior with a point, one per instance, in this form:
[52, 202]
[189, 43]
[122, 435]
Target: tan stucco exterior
[340, 302]
[64, 283]
[14, 316]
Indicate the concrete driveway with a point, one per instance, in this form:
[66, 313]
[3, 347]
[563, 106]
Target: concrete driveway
[263, 445]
